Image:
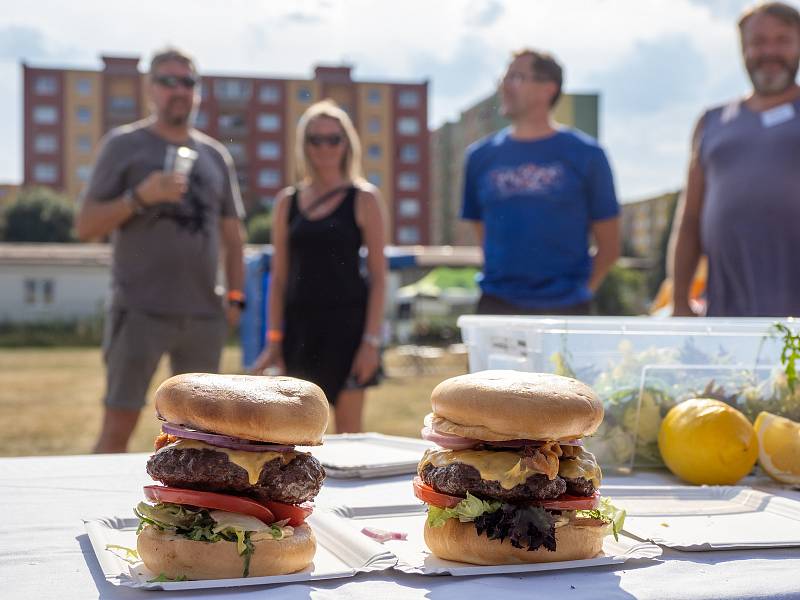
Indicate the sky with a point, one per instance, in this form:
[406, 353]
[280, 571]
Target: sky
[657, 64]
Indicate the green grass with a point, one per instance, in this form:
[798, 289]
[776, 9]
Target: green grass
[50, 399]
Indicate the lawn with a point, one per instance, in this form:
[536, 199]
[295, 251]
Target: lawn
[50, 398]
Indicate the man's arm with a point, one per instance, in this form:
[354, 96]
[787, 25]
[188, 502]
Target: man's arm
[477, 227]
[606, 236]
[96, 219]
[684, 243]
[233, 249]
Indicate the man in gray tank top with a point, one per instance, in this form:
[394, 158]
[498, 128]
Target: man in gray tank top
[168, 196]
[741, 204]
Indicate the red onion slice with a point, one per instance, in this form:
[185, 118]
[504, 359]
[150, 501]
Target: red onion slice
[223, 441]
[523, 443]
[447, 440]
[382, 535]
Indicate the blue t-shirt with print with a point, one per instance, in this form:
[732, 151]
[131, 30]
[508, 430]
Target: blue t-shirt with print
[537, 201]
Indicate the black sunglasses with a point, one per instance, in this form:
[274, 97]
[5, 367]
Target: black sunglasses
[173, 81]
[317, 140]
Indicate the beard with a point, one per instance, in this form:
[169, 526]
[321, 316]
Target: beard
[768, 83]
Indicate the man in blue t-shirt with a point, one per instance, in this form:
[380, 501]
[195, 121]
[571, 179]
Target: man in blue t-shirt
[536, 192]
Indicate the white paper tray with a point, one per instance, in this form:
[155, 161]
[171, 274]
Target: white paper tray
[709, 517]
[341, 552]
[414, 557]
[369, 455]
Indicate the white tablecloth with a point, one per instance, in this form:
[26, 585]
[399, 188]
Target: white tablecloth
[45, 552]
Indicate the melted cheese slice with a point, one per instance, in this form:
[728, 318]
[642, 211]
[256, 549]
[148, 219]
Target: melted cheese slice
[252, 462]
[507, 468]
[583, 465]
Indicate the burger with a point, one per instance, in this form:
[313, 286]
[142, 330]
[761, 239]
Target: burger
[511, 481]
[235, 493]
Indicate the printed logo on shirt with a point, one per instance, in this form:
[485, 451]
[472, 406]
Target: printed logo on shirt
[527, 179]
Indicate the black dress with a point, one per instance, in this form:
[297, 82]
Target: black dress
[326, 296]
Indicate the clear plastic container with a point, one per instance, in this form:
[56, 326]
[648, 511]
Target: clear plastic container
[641, 367]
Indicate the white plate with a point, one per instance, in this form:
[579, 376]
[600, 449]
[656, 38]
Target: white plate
[341, 552]
[414, 557]
[708, 517]
[368, 455]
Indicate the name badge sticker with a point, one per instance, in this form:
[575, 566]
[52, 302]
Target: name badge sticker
[776, 116]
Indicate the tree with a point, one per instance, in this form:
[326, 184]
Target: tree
[39, 215]
[259, 229]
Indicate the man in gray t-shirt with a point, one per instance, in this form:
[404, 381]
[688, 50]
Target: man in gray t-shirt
[741, 205]
[169, 198]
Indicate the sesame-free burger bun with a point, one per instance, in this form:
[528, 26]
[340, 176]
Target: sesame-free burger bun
[283, 410]
[509, 405]
[177, 556]
[461, 542]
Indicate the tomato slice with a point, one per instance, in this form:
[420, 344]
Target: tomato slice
[430, 496]
[566, 502]
[245, 506]
[296, 513]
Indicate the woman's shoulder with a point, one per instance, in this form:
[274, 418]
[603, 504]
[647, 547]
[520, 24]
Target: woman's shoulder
[366, 191]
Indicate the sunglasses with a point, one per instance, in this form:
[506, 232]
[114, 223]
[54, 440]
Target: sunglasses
[317, 140]
[173, 81]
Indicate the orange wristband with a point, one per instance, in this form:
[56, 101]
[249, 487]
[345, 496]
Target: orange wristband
[274, 335]
[237, 295]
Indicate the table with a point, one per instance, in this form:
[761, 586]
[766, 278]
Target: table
[45, 552]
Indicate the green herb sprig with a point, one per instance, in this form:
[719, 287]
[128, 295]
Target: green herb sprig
[790, 353]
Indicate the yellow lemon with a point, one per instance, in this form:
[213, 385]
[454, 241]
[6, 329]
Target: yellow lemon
[705, 441]
[779, 447]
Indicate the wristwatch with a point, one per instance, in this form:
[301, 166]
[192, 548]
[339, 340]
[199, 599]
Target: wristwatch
[133, 201]
[372, 340]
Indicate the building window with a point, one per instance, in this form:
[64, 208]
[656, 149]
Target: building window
[374, 151]
[83, 86]
[269, 122]
[408, 126]
[48, 291]
[374, 177]
[269, 93]
[29, 291]
[84, 114]
[409, 153]
[84, 144]
[201, 119]
[408, 235]
[45, 85]
[232, 89]
[45, 115]
[269, 150]
[408, 208]
[374, 96]
[122, 104]
[304, 94]
[374, 125]
[45, 143]
[232, 123]
[408, 99]
[45, 172]
[83, 172]
[408, 181]
[243, 178]
[269, 178]
[237, 151]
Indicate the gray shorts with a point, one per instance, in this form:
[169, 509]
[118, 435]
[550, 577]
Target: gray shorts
[134, 342]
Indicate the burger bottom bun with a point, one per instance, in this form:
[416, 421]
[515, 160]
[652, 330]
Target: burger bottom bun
[176, 556]
[460, 542]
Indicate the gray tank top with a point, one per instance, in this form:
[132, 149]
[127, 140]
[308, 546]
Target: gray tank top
[750, 223]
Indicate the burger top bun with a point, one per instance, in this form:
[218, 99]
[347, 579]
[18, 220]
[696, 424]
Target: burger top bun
[283, 410]
[509, 405]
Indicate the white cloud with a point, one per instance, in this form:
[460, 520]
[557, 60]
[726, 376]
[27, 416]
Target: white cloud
[460, 45]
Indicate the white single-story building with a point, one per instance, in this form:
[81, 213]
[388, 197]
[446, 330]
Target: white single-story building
[53, 282]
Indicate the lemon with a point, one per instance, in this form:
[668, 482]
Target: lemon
[779, 447]
[705, 441]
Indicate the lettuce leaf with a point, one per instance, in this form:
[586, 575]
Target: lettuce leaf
[467, 510]
[526, 527]
[606, 512]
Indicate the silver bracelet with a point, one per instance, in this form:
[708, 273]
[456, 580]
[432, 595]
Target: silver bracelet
[372, 340]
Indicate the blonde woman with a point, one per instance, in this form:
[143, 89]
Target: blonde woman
[324, 316]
